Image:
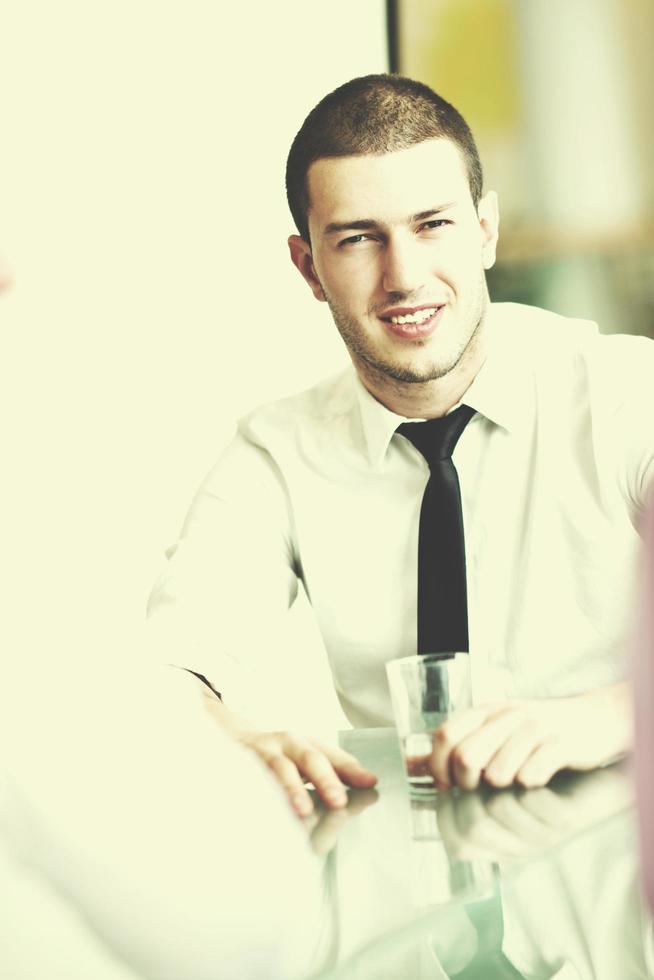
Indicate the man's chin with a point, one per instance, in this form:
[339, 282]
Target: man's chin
[409, 374]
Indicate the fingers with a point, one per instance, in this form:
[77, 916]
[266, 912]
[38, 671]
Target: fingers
[349, 768]
[499, 744]
[540, 766]
[519, 746]
[295, 759]
[315, 767]
[289, 778]
[447, 738]
[462, 747]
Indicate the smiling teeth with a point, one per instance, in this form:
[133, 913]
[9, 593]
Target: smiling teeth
[417, 317]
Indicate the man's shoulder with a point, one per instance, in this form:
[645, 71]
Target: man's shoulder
[321, 403]
[571, 364]
[532, 325]
[546, 333]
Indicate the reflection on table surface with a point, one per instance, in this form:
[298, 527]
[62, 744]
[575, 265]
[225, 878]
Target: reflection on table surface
[174, 857]
[497, 883]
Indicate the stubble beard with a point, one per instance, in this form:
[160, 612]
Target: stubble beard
[366, 358]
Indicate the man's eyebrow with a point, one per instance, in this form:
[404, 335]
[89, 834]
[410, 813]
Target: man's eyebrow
[424, 215]
[369, 224]
[363, 224]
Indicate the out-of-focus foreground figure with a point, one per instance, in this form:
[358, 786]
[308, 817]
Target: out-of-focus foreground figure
[133, 849]
[122, 854]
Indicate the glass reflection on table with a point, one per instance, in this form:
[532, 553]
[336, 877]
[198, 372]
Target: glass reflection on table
[513, 882]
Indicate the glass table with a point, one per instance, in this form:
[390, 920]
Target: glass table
[173, 857]
[516, 883]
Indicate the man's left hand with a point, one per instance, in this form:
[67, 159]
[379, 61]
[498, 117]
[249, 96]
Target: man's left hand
[529, 741]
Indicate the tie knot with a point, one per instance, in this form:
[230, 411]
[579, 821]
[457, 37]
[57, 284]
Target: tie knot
[436, 438]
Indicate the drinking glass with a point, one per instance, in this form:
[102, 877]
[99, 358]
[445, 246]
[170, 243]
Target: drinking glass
[426, 690]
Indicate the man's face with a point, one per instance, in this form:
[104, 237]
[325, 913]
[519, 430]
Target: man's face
[398, 251]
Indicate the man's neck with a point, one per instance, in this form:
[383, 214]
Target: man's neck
[430, 399]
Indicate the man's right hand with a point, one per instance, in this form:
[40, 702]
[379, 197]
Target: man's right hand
[297, 759]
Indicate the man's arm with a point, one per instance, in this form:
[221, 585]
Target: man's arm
[529, 741]
[218, 612]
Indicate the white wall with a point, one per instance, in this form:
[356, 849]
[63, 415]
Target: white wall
[142, 208]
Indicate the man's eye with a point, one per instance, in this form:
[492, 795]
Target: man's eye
[354, 240]
[435, 223]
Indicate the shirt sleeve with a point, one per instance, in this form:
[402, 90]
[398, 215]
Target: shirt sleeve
[220, 603]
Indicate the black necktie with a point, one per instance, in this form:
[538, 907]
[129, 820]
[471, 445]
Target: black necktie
[442, 593]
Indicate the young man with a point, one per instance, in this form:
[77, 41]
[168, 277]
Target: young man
[395, 234]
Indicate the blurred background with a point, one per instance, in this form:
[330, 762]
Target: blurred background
[142, 210]
[559, 95]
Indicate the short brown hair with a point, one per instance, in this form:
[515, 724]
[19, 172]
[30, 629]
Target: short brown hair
[374, 114]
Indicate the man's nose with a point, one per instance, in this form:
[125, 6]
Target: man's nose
[404, 266]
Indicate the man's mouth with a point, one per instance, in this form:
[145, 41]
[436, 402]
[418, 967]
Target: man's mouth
[411, 321]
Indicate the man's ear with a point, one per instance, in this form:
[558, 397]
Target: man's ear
[489, 222]
[303, 260]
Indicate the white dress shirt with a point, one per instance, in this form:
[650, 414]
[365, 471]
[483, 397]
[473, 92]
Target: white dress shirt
[318, 488]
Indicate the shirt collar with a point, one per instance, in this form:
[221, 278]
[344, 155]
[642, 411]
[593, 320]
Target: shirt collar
[377, 421]
[502, 391]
